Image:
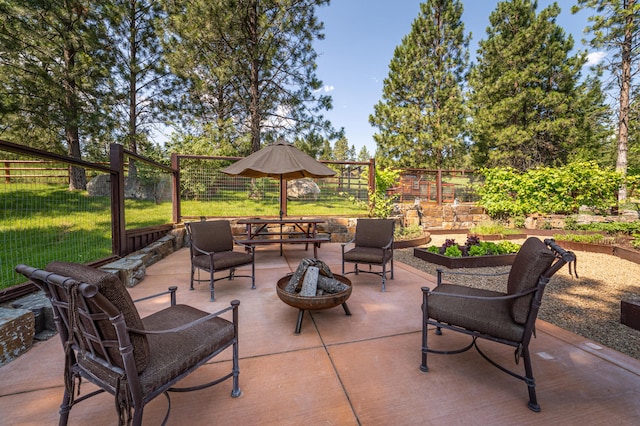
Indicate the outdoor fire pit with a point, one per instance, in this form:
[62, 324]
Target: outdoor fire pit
[313, 303]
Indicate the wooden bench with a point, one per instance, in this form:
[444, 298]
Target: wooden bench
[316, 241]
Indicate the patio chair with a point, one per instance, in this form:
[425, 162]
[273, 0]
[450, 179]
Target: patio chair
[107, 343]
[212, 251]
[373, 242]
[504, 317]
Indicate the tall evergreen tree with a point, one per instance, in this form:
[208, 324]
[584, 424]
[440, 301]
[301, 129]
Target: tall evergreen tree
[341, 151]
[616, 28]
[421, 117]
[254, 61]
[141, 76]
[55, 66]
[524, 88]
[364, 154]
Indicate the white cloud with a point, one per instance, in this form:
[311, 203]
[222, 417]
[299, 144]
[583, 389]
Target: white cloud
[326, 88]
[595, 58]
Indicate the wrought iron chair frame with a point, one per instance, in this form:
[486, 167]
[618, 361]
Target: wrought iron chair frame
[211, 268]
[562, 257]
[79, 306]
[387, 249]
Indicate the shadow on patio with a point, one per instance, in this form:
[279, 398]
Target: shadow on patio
[344, 370]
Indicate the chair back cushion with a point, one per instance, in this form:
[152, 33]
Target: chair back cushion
[374, 232]
[532, 260]
[114, 290]
[212, 235]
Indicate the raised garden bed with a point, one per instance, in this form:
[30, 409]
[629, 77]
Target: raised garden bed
[412, 243]
[464, 262]
[495, 237]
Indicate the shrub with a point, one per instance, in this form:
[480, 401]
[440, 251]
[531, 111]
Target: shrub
[507, 192]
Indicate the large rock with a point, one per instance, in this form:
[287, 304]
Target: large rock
[16, 333]
[303, 189]
[156, 189]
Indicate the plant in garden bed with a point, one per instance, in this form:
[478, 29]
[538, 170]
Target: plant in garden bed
[587, 238]
[492, 228]
[474, 247]
[411, 232]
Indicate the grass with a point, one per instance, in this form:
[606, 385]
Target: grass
[45, 222]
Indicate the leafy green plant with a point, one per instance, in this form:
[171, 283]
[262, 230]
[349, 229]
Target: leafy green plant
[380, 205]
[474, 247]
[584, 238]
[507, 192]
[453, 251]
[408, 232]
[491, 228]
[477, 250]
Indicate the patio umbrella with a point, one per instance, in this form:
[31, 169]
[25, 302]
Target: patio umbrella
[279, 160]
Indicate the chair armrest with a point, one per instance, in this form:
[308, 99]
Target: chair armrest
[428, 292]
[246, 246]
[388, 245]
[171, 291]
[343, 245]
[234, 307]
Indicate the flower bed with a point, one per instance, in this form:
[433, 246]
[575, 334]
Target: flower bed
[464, 262]
[473, 254]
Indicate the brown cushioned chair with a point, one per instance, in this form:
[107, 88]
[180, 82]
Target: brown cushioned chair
[373, 242]
[505, 317]
[135, 359]
[212, 250]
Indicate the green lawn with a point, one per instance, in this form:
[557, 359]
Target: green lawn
[45, 222]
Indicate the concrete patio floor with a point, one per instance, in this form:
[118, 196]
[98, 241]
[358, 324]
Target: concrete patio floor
[361, 369]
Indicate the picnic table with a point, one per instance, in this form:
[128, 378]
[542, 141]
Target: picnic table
[287, 231]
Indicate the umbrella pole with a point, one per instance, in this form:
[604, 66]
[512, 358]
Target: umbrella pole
[283, 197]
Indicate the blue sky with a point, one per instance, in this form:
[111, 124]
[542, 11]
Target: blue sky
[360, 37]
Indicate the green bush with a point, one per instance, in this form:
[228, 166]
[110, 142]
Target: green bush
[507, 192]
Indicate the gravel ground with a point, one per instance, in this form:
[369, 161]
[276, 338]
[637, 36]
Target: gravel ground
[588, 306]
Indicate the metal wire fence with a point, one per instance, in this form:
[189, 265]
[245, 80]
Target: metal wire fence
[205, 191]
[42, 220]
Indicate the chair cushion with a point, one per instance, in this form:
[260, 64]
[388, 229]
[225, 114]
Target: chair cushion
[223, 260]
[492, 317]
[212, 235]
[374, 232]
[372, 255]
[175, 353]
[533, 258]
[112, 288]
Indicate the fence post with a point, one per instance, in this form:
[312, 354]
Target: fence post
[372, 175]
[439, 187]
[118, 228]
[7, 172]
[175, 196]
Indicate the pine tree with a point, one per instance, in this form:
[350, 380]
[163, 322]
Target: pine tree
[55, 65]
[524, 89]
[421, 117]
[142, 80]
[251, 62]
[616, 27]
[364, 154]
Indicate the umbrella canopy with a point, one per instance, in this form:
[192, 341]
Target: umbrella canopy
[280, 160]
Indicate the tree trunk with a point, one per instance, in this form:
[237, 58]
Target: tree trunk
[132, 130]
[255, 76]
[77, 175]
[625, 88]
